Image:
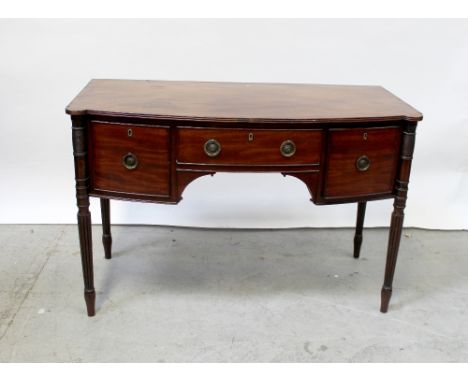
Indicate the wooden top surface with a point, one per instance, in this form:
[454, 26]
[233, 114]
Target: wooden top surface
[249, 102]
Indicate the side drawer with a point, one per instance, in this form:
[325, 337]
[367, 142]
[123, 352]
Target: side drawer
[361, 161]
[236, 146]
[130, 159]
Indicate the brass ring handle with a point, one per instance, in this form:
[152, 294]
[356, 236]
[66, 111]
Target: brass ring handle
[363, 163]
[288, 148]
[212, 147]
[130, 161]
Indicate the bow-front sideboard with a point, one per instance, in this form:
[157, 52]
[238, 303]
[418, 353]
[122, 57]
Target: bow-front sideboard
[147, 140]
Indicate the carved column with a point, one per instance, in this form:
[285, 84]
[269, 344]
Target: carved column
[79, 134]
[396, 225]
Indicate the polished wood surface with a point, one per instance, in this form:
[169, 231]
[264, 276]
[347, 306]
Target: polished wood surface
[110, 142]
[399, 204]
[80, 153]
[380, 145]
[224, 101]
[147, 141]
[248, 147]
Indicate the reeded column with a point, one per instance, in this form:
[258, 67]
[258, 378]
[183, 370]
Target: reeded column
[79, 135]
[396, 224]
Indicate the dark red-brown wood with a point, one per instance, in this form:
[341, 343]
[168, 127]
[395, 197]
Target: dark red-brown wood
[106, 229]
[361, 213]
[166, 124]
[80, 145]
[249, 102]
[248, 147]
[380, 145]
[396, 223]
[110, 142]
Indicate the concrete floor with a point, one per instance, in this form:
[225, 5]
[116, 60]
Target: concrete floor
[196, 295]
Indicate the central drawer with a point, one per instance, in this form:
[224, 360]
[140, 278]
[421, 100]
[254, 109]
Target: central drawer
[236, 146]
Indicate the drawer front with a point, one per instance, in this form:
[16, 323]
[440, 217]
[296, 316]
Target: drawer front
[361, 161]
[227, 146]
[130, 159]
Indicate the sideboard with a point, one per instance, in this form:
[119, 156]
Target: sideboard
[147, 140]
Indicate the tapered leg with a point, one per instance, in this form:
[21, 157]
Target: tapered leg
[86, 245]
[106, 228]
[84, 216]
[361, 212]
[396, 226]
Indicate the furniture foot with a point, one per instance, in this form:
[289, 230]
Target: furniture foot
[386, 294]
[106, 228]
[361, 212]
[90, 298]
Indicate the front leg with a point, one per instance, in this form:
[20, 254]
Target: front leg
[396, 224]
[86, 246]
[84, 215]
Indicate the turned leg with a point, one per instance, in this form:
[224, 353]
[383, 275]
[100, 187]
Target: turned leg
[396, 224]
[106, 228]
[84, 216]
[361, 212]
[86, 246]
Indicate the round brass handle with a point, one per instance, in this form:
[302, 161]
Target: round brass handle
[130, 161]
[212, 147]
[363, 163]
[288, 148]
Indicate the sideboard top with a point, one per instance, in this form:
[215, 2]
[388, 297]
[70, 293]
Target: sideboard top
[246, 102]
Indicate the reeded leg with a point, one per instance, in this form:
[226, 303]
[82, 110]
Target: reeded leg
[396, 226]
[106, 229]
[86, 245]
[84, 216]
[361, 212]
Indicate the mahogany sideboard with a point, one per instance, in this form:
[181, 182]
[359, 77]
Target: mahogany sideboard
[147, 140]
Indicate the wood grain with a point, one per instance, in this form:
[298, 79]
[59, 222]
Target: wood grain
[110, 142]
[249, 102]
[343, 179]
[237, 149]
